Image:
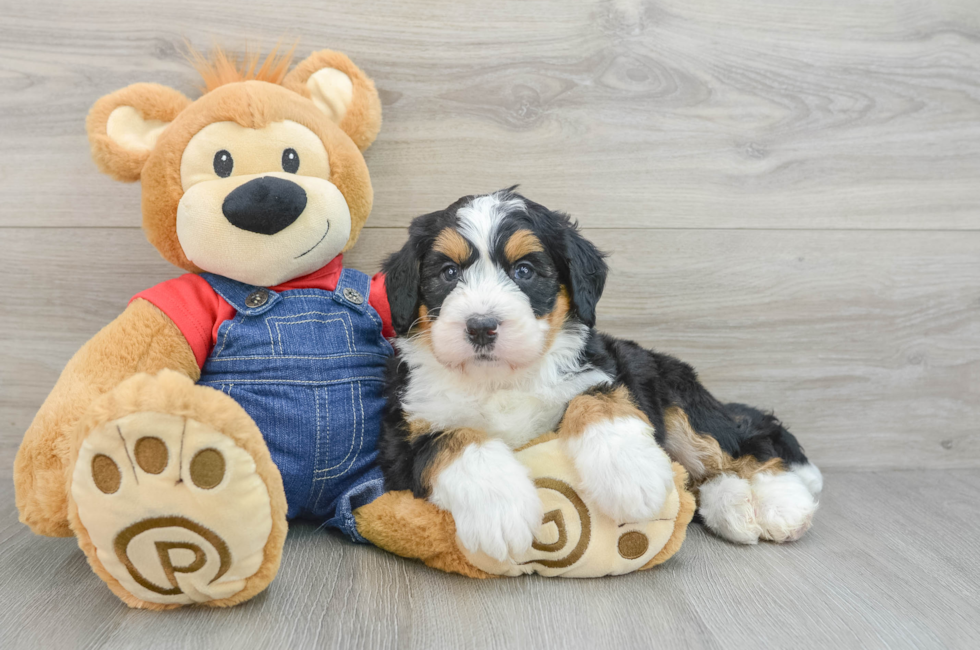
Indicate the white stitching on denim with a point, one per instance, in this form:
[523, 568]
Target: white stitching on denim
[347, 334]
[349, 451]
[310, 501]
[323, 482]
[290, 320]
[307, 356]
[224, 337]
[358, 435]
[293, 294]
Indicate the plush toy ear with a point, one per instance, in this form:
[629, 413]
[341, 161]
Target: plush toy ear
[123, 127]
[342, 92]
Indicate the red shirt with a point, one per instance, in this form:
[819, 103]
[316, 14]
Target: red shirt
[198, 311]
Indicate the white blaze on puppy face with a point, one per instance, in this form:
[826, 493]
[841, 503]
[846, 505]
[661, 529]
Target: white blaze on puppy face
[484, 290]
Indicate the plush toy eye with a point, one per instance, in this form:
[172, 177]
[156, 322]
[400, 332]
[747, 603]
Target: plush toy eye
[223, 164]
[523, 271]
[450, 272]
[290, 161]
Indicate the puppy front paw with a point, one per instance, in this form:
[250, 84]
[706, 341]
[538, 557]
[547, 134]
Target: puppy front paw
[623, 470]
[492, 499]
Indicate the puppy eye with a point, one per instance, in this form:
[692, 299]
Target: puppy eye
[290, 161]
[223, 164]
[450, 272]
[523, 271]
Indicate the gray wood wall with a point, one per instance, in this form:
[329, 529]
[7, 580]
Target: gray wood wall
[790, 192]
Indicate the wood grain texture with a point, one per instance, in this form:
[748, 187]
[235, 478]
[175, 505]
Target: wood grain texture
[866, 343]
[788, 191]
[831, 114]
[874, 572]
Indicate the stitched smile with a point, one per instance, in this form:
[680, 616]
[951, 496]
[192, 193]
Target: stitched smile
[316, 244]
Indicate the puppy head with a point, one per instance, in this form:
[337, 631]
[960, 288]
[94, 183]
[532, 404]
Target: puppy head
[492, 280]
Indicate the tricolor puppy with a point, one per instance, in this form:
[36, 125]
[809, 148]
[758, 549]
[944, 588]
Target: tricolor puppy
[494, 301]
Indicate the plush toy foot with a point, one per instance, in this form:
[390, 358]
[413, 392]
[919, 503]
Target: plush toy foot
[174, 497]
[576, 539]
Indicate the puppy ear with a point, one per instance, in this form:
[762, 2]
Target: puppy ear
[123, 127]
[586, 271]
[342, 92]
[401, 271]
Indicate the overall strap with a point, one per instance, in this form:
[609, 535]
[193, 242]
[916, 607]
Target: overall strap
[353, 289]
[245, 298]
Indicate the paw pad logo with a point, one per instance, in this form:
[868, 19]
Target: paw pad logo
[556, 517]
[631, 545]
[167, 546]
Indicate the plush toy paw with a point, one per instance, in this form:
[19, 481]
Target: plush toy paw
[772, 506]
[169, 508]
[623, 470]
[575, 539]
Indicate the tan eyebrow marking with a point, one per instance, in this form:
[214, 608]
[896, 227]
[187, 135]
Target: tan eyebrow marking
[521, 243]
[452, 244]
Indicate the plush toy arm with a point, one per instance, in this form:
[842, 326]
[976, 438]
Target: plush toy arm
[141, 339]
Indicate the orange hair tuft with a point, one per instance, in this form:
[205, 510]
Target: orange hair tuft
[220, 68]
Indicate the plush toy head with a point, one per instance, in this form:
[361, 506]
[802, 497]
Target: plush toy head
[261, 179]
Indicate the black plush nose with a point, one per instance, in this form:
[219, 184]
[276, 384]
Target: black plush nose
[482, 330]
[264, 205]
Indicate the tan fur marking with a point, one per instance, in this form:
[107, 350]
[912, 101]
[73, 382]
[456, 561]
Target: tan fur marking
[418, 428]
[557, 316]
[521, 243]
[452, 244]
[585, 410]
[421, 329]
[451, 443]
[702, 456]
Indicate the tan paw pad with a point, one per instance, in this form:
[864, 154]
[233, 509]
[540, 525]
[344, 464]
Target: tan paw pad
[175, 509]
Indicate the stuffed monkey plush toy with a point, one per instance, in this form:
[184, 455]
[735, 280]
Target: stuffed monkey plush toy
[181, 438]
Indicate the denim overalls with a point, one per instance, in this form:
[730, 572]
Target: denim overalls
[308, 366]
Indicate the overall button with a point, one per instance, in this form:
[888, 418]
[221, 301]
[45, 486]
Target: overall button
[353, 296]
[257, 298]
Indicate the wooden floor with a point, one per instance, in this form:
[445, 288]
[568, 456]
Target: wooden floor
[891, 564]
[790, 195]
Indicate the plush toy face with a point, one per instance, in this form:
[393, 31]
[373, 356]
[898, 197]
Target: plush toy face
[257, 181]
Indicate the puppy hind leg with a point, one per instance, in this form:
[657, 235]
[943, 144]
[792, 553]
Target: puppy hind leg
[741, 498]
[726, 505]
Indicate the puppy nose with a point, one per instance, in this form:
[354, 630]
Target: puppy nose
[482, 330]
[264, 205]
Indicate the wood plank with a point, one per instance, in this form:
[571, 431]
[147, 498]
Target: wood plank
[871, 573]
[680, 114]
[866, 343]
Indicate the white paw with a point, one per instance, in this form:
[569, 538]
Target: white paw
[778, 507]
[811, 477]
[174, 508]
[725, 504]
[495, 505]
[784, 505]
[623, 470]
